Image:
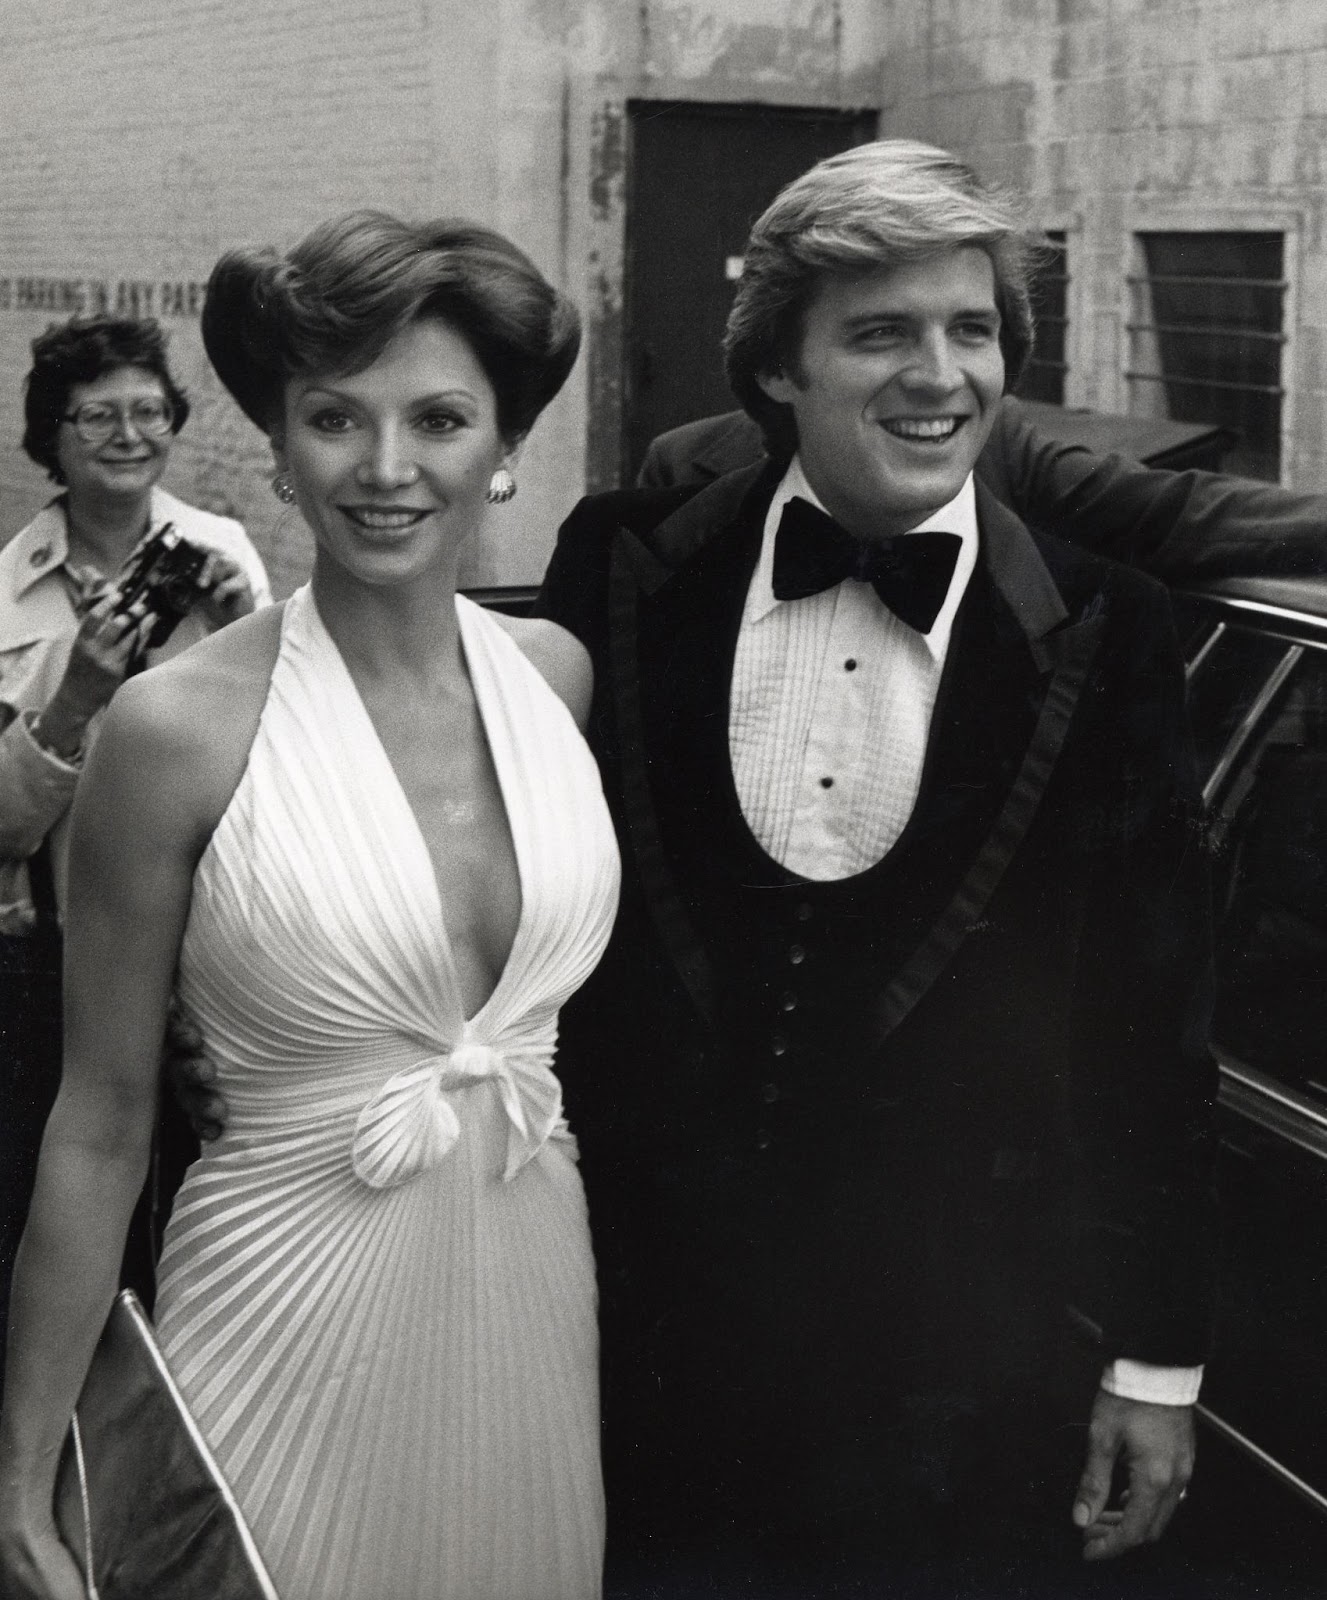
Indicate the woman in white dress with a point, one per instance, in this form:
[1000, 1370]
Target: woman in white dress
[381, 863]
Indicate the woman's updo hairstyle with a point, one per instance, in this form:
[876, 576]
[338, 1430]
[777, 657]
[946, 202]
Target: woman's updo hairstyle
[334, 303]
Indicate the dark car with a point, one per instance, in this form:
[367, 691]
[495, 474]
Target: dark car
[1257, 664]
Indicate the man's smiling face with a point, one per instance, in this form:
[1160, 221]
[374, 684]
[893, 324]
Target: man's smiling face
[897, 382]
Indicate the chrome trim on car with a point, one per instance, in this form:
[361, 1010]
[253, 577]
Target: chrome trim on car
[1272, 1105]
[1235, 744]
[1203, 651]
[1242, 1442]
[1262, 608]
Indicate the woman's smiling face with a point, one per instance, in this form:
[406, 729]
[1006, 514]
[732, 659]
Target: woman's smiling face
[128, 462]
[390, 465]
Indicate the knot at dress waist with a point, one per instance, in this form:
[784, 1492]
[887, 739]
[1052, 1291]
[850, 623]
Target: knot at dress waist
[411, 1124]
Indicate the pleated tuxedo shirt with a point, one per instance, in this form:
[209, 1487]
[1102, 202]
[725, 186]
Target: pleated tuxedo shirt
[831, 705]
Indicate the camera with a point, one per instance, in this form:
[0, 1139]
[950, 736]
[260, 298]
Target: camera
[163, 576]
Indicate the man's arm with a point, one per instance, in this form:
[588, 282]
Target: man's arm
[1183, 527]
[699, 452]
[1144, 1082]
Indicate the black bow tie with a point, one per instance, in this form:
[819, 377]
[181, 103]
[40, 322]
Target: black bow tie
[910, 572]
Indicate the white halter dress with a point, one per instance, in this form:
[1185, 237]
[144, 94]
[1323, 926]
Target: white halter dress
[377, 1291]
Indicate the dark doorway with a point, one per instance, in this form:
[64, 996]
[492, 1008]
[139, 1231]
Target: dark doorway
[700, 175]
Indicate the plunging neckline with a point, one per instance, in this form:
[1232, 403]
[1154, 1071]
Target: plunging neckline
[500, 757]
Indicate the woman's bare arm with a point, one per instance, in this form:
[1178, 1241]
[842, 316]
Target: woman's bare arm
[155, 786]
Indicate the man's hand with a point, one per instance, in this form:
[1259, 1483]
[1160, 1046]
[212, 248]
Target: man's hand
[228, 596]
[192, 1076]
[1156, 1445]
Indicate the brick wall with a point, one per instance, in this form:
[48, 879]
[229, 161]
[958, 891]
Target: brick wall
[137, 142]
[1128, 115]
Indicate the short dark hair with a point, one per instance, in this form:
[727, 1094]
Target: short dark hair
[876, 206]
[334, 303]
[81, 351]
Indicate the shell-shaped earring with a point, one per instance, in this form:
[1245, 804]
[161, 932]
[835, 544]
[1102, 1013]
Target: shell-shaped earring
[283, 489]
[501, 487]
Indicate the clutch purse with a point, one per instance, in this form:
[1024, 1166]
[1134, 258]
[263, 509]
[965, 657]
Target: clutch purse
[139, 1499]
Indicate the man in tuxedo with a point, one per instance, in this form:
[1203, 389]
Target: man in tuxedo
[893, 1090]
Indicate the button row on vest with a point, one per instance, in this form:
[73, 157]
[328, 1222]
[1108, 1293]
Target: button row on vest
[769, 1093]
[762, 1139]
[788, 1001]
[778, 1045]
[796, 955]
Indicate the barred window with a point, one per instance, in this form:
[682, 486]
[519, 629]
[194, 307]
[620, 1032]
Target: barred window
[1044, 377]
[1205, 338]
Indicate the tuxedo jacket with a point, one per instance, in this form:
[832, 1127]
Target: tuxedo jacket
[894, 1128]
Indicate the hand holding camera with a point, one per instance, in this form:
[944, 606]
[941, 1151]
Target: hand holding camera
[163, 581]
[173, 577]
[226, 593]
[108, 642]
[166, 577]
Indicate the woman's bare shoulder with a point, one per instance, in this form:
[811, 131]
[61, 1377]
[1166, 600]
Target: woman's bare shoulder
[242, 653]
[183, 729]
[559, 656]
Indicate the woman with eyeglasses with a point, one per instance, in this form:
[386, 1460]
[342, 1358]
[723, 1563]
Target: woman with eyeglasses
[102, 411]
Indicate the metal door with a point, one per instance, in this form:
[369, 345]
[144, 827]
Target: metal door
[699, 176]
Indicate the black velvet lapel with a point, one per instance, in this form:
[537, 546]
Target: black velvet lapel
[1030, 637]
[675, 602]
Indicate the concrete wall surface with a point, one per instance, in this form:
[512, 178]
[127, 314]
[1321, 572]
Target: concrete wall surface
[140, 141]
[1124, 116]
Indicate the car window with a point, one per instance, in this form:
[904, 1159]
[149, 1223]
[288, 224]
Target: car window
[1269, 833]
[1228, 678]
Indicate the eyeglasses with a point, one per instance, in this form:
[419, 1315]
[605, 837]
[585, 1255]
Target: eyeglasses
[96, 420]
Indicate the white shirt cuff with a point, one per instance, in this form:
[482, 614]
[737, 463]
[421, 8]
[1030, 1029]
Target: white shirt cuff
[1158, 1386]
[36, 789]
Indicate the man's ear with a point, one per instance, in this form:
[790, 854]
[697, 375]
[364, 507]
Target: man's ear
[778, 386]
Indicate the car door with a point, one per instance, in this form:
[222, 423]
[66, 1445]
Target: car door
[1258, 699]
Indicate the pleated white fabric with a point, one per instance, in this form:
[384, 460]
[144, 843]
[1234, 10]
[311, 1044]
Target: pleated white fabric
[377, 1291]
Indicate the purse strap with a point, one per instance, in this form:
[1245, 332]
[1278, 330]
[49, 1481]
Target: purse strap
[89, 1574]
